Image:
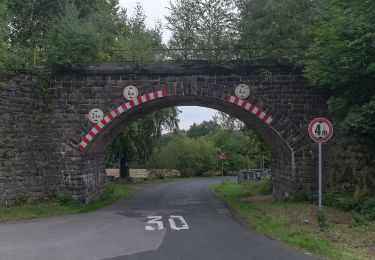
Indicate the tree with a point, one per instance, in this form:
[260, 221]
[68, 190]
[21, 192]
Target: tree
[139, 139]
[150, 130]
[202, 29]
[126, 143]
[72, 40]
[341, 57]
[191, 157]
[273, 28]
[202, 129]
[137, 42]
[12, 57]
[227, 122]
[183, 23]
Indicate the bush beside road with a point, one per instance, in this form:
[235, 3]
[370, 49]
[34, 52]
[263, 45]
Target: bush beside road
[296, 223]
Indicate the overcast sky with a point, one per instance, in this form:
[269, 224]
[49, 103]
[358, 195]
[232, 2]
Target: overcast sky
[156, 10]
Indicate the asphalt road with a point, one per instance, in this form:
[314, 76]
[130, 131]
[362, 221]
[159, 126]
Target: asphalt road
[180, 220]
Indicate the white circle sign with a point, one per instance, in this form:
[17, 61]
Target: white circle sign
[320, 130]
[96, 115]
[242, 91]
[130, 93]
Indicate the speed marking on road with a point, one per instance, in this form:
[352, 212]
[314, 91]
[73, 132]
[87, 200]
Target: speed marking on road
[320, 130]
[156, 223]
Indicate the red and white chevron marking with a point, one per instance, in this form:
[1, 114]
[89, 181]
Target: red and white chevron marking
[156, 95]
[116, 112]
[251, 108]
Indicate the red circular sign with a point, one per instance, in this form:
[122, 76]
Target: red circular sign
[320, 130]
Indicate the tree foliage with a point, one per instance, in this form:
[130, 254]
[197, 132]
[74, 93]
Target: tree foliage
[11, 56]
[341, 56]
[73, 39]
[190, 157]
[273, 28]
[202, 29]
[196, 151]
[202, 129]
[136, 41]
[139, 139]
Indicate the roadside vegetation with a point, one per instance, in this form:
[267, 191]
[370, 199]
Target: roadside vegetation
[334, 233]
[64, 204]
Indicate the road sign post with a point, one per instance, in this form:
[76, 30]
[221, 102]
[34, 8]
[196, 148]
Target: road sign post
[222, 157]
[320, 130]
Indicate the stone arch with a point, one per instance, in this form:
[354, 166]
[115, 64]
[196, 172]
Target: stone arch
[281, 135]
[226, 105]
[42, 132]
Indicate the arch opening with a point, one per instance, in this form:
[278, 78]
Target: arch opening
[113, 123]
[94, 143]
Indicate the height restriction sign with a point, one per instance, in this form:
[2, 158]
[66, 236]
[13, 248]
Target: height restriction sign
[320, 130]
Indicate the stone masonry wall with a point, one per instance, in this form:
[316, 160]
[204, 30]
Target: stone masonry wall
[40, 129]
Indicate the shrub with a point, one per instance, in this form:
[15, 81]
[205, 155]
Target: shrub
[64, 198]
[322, 220]
[368, 209]
[108, 192]
[359, 219]
[190, 157]
[157, 173]
[340, 201]
[305, 196]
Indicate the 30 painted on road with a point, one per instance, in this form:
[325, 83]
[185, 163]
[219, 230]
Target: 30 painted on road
[156, 223]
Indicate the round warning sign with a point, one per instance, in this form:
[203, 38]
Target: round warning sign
[320, 130]
[242, 91]
[96, 115]
[130, 93]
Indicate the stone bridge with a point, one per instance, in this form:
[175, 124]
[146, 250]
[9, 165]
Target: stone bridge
[48, 145]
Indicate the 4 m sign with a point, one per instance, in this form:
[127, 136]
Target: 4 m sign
[320, 130]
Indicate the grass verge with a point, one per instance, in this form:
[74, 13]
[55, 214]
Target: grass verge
[284, 220]
[112, 193]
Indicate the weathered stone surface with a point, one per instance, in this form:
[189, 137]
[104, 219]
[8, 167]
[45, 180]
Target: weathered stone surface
[40, 129]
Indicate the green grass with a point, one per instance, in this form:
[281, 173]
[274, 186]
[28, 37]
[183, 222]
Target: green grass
[112, 193]
[283, 220]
